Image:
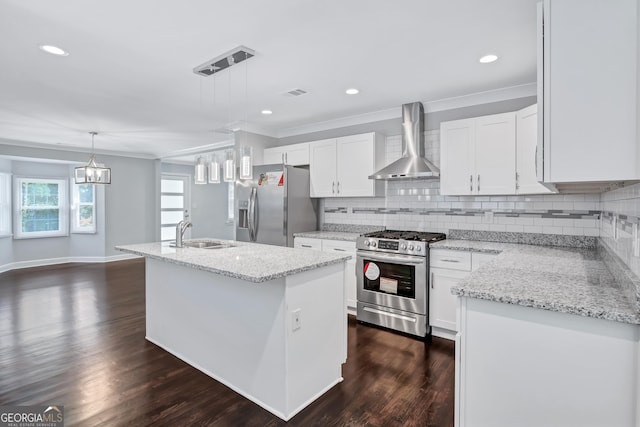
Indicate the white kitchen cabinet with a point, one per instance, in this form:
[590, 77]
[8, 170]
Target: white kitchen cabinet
[588, 89]
[447, 268]
[340, 246]
[307, 243]
[478, 155]
[350, 276]
[524, 366]
[340, 167]
[294, 154]
[526, 143]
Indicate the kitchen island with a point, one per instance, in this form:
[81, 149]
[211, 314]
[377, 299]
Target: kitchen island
[547, 336]
[268, 322]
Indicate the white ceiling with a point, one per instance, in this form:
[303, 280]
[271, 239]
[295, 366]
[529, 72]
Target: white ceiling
[129, 73]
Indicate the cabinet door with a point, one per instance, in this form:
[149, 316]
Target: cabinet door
[349, 248]
[297, 154]
[322, 168]
[356, 160]
[495, 154]
[456, 157]
[273, 155]
[590, 106]
[442, 304]
[526, 144]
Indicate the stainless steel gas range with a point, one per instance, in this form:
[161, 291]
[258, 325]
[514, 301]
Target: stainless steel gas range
[392, 269]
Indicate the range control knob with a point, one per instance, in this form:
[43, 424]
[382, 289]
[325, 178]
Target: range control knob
[373, 244]
[403, 246]
[419, 248]
[410, 247]
[368, 243]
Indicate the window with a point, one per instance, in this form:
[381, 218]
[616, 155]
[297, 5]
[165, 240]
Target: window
[174, 204]
[83, 209]
[40, 208]
[5, 204]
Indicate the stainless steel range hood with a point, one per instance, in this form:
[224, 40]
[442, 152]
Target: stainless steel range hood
[412, 164]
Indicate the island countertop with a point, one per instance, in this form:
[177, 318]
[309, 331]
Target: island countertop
[568, 280]
[245, 261]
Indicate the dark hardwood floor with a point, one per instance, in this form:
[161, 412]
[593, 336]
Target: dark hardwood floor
[73, 335]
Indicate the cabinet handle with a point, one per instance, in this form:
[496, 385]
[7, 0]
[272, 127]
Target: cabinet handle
[478, 183]
[286, 158]
[306, 246]
[338, 187]
[432, 280]
[282, 156]
[470, 182]
[517, 180]
[339, 250]
[333, 188]
[450, 260]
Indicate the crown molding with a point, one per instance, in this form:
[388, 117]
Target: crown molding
[478, 98]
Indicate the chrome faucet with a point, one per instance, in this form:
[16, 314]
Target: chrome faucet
[181, 228]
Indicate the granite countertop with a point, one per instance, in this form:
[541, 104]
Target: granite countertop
[330, 235]
[562, 279]
[246, 261]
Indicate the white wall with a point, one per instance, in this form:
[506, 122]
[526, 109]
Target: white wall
[208, 205]
[126, 208]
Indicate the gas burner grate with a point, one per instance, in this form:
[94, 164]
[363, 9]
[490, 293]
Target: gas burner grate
[407, 235]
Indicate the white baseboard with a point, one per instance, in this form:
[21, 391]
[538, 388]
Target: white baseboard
[53, 261]
[443, 333]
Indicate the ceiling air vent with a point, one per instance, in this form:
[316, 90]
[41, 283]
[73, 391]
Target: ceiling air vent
[295, 92]
[224, 61]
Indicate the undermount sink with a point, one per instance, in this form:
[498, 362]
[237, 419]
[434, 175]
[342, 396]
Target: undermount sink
[206, 244]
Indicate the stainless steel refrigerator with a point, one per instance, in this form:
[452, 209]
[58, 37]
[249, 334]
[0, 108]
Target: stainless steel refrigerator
[274, 205]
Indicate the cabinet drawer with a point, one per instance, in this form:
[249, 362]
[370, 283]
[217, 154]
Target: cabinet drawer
[307, 243]
[453, 260]
[339, 246]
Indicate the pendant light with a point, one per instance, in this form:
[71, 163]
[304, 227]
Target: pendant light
[246, 152]
[214, 169]
[246, 163]
[229, 166]
[92, 173]
[200, 173]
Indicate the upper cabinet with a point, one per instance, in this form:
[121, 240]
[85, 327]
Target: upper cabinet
[477, 155]
[493, 154]
[588, 90]
[526, 144]
[294, 154]
[340, 167]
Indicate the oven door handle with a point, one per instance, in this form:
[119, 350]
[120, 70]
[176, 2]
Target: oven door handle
[394, 258]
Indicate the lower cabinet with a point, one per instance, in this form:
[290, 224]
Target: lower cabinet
[336, 246]
[447, 269]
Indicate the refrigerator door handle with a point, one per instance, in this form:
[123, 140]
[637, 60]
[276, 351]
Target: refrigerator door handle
[253, 226]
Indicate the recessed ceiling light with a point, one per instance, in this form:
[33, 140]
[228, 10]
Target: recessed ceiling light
[352, 91]
[488, 58]
[54, 50]
[266, 112]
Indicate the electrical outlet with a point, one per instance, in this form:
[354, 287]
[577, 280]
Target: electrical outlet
[488, 217]
[296, 321]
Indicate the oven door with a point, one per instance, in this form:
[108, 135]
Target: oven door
[394, 281]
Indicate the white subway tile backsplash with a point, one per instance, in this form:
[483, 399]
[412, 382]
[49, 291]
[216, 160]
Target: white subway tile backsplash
[418, 205]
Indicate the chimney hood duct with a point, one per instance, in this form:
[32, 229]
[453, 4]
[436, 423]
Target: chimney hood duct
[412, 164]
